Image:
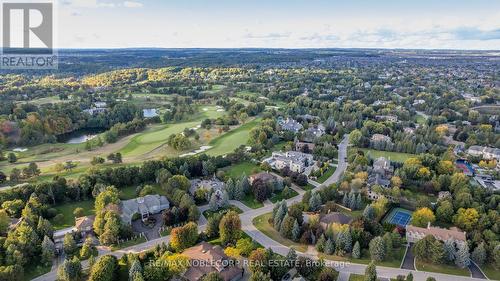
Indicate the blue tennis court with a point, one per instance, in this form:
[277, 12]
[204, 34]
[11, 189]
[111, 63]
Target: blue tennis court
[399, 216]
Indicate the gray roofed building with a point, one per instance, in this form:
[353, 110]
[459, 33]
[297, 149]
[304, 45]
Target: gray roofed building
[290, 124]
[211, 184]
[377, 179]
[145, 206]
[334, 217]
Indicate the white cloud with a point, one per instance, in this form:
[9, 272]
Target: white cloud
[90, 4]
[132, 4]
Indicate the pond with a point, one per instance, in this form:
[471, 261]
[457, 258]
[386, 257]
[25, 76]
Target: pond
[150, 112]
[79, 136]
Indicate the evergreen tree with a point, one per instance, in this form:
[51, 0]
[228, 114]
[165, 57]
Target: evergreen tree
[231, 189]
[345, 200]
[48, 250]
[329, 247]
[212, 204]
[352, 200]
[295, 231]
[245, 185]
[291, 256]
[344, 242]
[369, 213]
[278, 218]
[371, 272]
[224, 203]
[239, 192]
[377, 249]
[70, 270]
[409, 277]
[359, 202]
[135, 269]
[320, 244]
[462, 259]
[315, 202]
[479, 254]
[356, 250]
[69, 244]
[449, 250]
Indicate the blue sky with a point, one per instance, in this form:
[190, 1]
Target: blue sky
[459, 24]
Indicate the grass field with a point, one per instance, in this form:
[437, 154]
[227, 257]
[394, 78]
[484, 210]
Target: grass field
[235, 171]
[250, 201]
[67, 211]
[395, 261]
[232, 139]
[262, 224]
[326, 175]
[129, 192]
[132, 242]
[157, 135]
[308, 187]
[278, 197]
[356, 277]
[393, 156]
[441, 268]
[491, 272]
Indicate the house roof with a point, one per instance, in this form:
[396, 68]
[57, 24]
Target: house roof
[335, 217]
[209, 259]
[442, 234]
[149, 203]
[84, 222]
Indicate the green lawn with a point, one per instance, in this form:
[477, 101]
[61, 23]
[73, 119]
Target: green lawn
[67, 210]
[157, 135]
[262, 224]
[279, 196]
[356, 277]
[208, 214]
[235, 171]
[129, 191]
[231, 140]
[359, 277]
[393, 156]
[250, 201]
[132, 242]
[491, 272]
[326, 175]
[441, 268]
[307, 187]
[395, 261]
[420, 119]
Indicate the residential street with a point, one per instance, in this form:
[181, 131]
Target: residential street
[247, 226]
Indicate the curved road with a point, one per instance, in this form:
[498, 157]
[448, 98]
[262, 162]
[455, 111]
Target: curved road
[247, 226]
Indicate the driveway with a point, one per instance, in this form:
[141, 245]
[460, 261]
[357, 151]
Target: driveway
[151, 233]
[409, 260]
[475, 271]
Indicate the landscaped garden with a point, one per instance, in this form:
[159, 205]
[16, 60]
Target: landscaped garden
[262, 224]
[209, 213]
[236, 170]
[393, 156]
[280, 196]
[326, 174]
[250, 201]
[441, 268]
